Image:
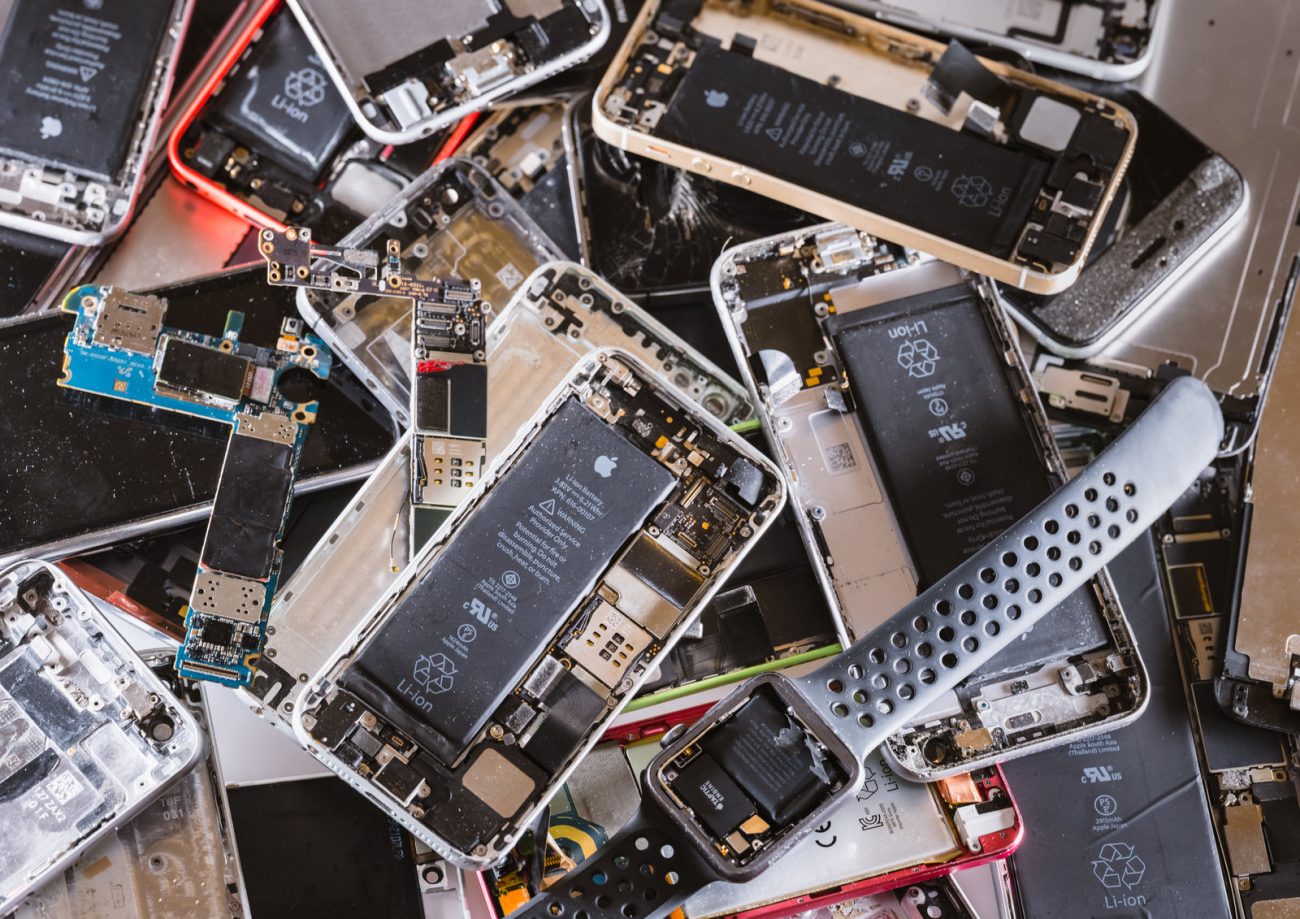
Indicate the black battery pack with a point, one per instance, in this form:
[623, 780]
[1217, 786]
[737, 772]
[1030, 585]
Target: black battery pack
[282, 102]
[465, 635]
[954, 185]
[73, 79]
[953, 447]
[768, 755]
[1121, 820]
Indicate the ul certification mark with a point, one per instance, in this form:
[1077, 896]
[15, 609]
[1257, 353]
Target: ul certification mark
[918, 357]
[1118, 867]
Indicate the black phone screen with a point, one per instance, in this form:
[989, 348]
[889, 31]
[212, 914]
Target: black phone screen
[80, 465]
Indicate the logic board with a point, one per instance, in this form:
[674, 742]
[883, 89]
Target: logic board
[120, 348]
[448, 356]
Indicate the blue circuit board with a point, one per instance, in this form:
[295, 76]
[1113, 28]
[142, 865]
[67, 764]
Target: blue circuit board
[122, 373]
[120, 348]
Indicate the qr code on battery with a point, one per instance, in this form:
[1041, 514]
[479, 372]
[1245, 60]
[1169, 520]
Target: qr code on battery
[839, 458]
[63, 787]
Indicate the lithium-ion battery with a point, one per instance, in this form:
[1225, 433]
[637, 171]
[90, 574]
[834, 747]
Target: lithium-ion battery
[73, 79]
[509, 577]
[282, 102]
[1121, 820]
[955, 452]
[957, 186]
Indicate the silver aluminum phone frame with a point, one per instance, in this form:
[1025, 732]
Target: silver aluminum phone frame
[184, 718]
[374, 619]
[364, 552]
[139, 153]
[446, 117]
[1120, 633]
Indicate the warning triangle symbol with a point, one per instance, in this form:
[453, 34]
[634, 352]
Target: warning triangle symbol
[87, 73]
[548, 505]
[774, 133]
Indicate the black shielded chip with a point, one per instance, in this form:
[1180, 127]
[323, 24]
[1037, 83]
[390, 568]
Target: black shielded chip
[249, 507]
[715, 798]
[193, 368]
[465, 635]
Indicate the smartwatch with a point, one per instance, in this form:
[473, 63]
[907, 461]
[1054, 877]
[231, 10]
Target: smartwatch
[729, 795]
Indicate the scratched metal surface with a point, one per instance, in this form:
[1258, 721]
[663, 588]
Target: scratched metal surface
[1229, 72]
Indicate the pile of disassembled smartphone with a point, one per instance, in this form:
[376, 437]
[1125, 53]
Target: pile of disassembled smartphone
[630, 538]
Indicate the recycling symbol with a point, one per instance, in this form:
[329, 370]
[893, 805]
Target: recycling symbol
[435, 673]
[305, 87]
[1117, 865]
[972, 191]
[918, 357]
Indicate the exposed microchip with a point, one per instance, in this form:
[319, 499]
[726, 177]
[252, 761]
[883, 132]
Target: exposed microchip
[468, 631]
[716, 799]
[281, 101]
[249, 507]
[866, 154]
[218, 632]
[193, 368]
[74, 77]
[770, 757]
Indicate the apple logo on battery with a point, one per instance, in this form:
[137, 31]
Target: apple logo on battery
[50, 127]
[605, 465]
[716, 98]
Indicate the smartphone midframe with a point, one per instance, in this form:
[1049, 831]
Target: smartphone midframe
[74, 154]
[176, 858]
[95, 736]
[985, 166]
[895, 481]
[406, 70]
[691, 499]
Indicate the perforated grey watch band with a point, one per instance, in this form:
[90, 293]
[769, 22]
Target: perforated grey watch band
[897, 671]
[905, 665]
